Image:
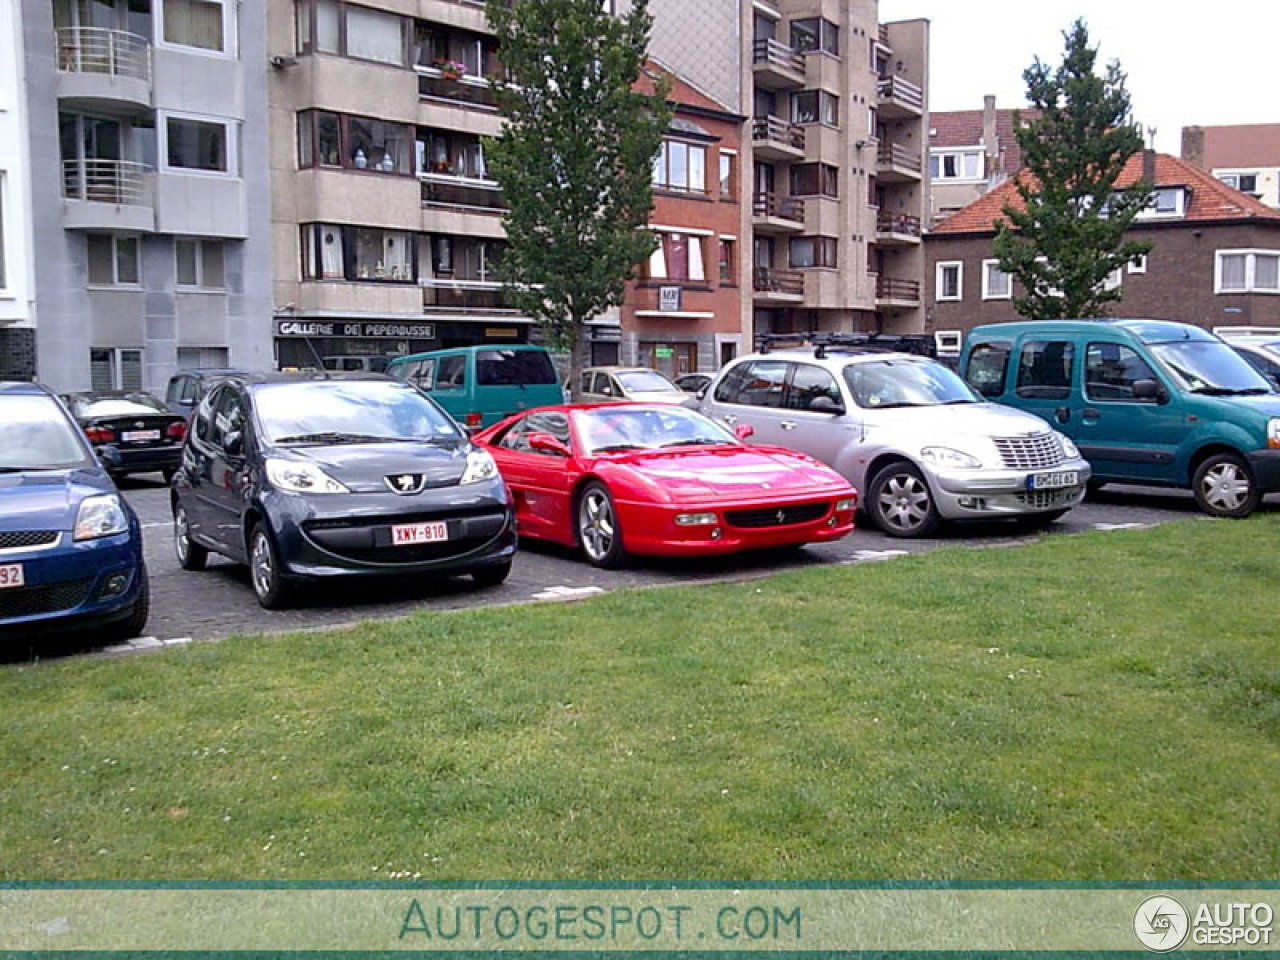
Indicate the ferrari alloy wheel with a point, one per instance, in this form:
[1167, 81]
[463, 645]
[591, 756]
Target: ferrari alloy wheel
[598, 530]
[900, 502]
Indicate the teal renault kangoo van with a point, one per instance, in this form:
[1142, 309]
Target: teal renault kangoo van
[480, 385]
[1146, 401]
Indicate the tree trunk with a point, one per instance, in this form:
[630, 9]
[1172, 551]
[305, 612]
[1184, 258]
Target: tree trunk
[579, 358]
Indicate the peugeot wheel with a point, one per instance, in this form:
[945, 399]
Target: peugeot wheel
[269, 585]
[1224, 487]
[491, 576]
[900, 502]
[598, 529]
[191, 556]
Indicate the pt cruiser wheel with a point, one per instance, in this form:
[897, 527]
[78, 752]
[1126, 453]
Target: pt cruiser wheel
[1224, 487]
[598, 530]
[900, 503]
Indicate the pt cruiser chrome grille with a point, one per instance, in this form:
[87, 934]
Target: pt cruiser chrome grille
[1036, 452]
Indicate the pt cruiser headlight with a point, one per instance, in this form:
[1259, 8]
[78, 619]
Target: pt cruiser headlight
[100, 517]
[1273, 433]
[1069, 449]
[946, 457]
[298, 476]
[480, 466]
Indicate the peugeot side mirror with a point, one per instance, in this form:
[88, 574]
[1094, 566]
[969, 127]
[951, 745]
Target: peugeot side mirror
[744, 430]
[545, 443]
[234, 444]
[823, 404]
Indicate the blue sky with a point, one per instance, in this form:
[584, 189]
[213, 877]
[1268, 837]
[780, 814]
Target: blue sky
[1188, 63]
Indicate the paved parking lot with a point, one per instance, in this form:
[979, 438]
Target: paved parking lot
[219, 602]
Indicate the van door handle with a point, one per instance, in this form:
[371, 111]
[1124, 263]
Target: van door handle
[730, 419]
[1062, 414]
[788, 424]
[1090, 414]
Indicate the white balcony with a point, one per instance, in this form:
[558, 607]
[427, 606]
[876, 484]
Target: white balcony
[97, 66]
[108, 195]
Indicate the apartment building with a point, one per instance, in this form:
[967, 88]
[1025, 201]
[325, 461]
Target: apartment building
[1215, 257]
[147, 138]
[17, 306]
[839, 184]
[970, 152]
[1244, 156]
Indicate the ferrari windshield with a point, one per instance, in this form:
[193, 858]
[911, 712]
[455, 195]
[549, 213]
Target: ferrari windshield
[1210, 366]
[614, 429]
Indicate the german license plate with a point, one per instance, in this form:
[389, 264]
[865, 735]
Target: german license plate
[409, 534]
[1053, 481]
[139, 436]
[11, 576]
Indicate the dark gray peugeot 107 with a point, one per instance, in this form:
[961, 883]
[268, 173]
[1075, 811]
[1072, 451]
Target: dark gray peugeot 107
[309, 476]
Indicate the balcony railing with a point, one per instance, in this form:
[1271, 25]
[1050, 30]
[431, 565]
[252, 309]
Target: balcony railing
[435, 84]
[468, 194]
[768, 50]
[121, 182]
[777, 130]
[900, 223]
[893, 288]
[902, 91]
[456, 293]
[769, 280]
[896, 155]
[115, 53]
[771, 205]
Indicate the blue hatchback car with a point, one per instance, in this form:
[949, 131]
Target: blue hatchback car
[70, 547]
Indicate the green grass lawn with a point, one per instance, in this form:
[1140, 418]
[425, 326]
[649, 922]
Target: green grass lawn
[1087, 708]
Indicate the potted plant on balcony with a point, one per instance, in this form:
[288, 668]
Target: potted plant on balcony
[451, 69]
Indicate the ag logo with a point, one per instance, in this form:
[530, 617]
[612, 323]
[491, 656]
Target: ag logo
[1161, 924]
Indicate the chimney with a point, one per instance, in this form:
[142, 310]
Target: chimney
[1193, 146]
[990, 139]
[1149, 165]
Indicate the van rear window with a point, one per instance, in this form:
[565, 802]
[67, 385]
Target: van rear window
[496, 368]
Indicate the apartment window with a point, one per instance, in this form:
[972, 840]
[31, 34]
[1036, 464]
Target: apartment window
[113, 260]
[436, 46]
[680, 166]
[1113, 280]
[996, 284]
[453, 154]
[726, 173]
[815, 106]
[873, 124]
[1247, 271]
[678, 258]
[815, 34]
[328, 128]
[949, 280]
[807, 252]
[357, 143]
[197, 144]
[360, 254]
[1138, 264]
[195, 23]
[115, 369]
[1167, 202]
[1244, 182]
[815, 180]
[726, 261]
[327, 26]
[956, 165]
[199, 264]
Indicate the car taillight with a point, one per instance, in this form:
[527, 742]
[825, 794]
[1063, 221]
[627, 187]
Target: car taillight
[98, 435]
[176, 431]
[475, 419]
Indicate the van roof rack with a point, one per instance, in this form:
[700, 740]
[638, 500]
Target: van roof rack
[822, 342]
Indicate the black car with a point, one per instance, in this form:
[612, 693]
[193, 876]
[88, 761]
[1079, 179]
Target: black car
[187, 388]
[311, 476]
[147, 435]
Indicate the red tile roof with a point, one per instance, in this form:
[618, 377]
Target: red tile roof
[1210, 198]
[963, 128]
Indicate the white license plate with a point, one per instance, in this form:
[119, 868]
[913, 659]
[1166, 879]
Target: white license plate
[1053, 481]
[138, 436]
[409, 534]
[11, 576]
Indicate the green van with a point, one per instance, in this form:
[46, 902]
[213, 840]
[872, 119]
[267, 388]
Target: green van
[480, 385]
[1146, 401]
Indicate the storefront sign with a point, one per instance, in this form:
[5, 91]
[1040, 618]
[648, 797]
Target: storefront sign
[377, 330]
[663, 353]
[669, 299]
[501, 332]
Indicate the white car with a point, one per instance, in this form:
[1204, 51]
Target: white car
[637, 384]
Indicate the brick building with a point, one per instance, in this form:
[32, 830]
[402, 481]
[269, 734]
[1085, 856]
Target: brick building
[1245, 156]
[970, 152]
[1215, 259]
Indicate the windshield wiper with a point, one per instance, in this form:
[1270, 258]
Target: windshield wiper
[617, 447]
[334, 437]
[695, 442]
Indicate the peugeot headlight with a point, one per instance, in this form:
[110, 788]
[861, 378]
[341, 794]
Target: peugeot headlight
[1273, 433]
[946, 457]
[299, 476]
[480, 466]
[1069, 449]
[100, 516]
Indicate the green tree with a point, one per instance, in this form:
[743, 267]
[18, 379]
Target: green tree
[575, 159]
[1069, 235]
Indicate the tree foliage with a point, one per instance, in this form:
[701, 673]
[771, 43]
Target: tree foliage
[575, 158]
[1070, 234]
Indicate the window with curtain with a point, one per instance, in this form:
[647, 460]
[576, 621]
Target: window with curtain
[113, 260]
[196, 144]
[199, 264]
[322, 252]
[680, 166]
[815, 106]
[194, 23]
[807, 252]
[679, 258]
[377, 145]
[382, 254]
[814, 180]
[996, 284]
[328, 34]
[1245, 271]
[374, 35]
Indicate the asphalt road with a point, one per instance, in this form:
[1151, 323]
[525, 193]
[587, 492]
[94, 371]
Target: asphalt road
[219, 601]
